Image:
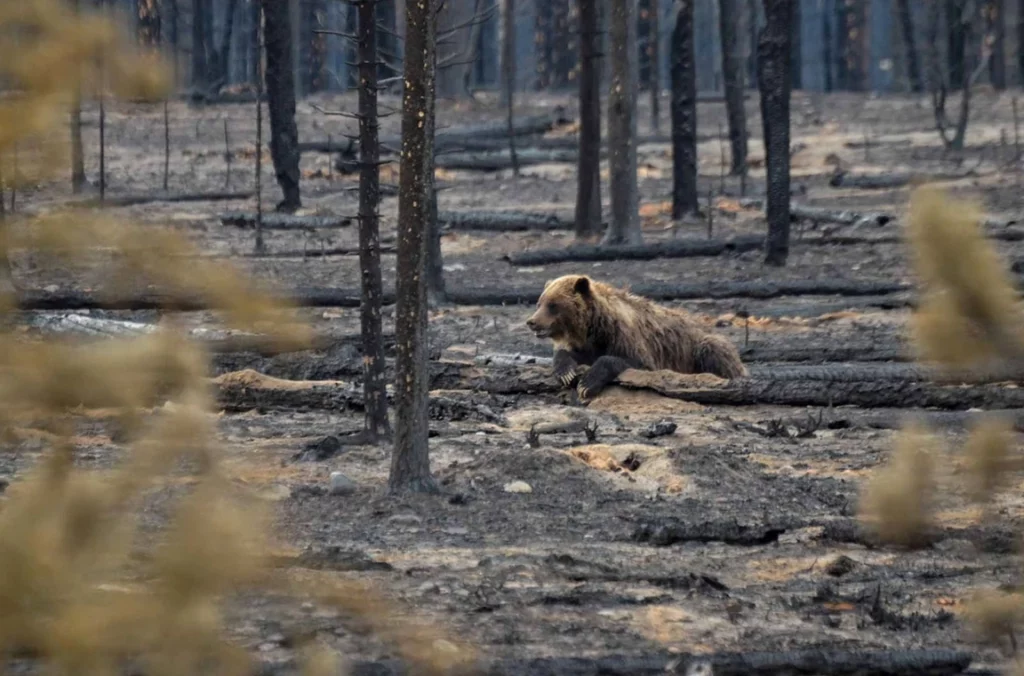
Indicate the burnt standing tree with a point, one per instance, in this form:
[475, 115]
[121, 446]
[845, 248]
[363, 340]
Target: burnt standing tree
[588, 175]
[508, 75]
[956, 40]
[732, 75]
[684, 113]
[624, 227]
[953, 132]
[773, 66]
[995, 36]
[374, 384]
[410, 460]
[201, 10]
[77, 154]
[280, 76]
[909, 45]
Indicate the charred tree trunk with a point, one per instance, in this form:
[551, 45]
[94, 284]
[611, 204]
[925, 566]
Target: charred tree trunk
[625, 222]
[543, 41]
[910, 45]
[388, 43]
[774, 71]
[434, 263]
[684, 113]
[508, 75]
[1020, 47]
[956, 42]
[995, 36]
[654, 48]
[200, 45]
[732, 73]
[410, 460]
[853, 48]
[753, 26]
[223, 54]
[796, 50]
[563, 44]
[827, 56]
[77, 154]
[588, 175]
[284, 135]
[374, 383]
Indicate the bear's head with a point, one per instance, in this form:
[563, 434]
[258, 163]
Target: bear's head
[563, 310]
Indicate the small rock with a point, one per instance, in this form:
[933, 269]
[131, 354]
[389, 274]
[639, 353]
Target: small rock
[662, 428]
[341, 484]
[841, 565]
[518, 487]
[320, 450]
[405, 520]
[267, 647]
[427, 588]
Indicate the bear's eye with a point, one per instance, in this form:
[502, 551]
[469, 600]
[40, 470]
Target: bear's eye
[552, 308]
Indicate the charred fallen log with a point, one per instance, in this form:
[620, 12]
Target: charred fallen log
[503, 221]
[498, 160]
[148, 198]
[674, 248]
[840, 216]
[843, 179]
[282, 221]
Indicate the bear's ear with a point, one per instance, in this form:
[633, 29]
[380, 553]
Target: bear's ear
[582, 286]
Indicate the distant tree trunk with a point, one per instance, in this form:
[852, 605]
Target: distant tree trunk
[223, 54]
[471, 54]
[654, 48]
[77, 154]
[374, 382]
[684, 113]
[732, 73]
[508, 74]
[1020, 47]
[410, 460]
[624, 227]
[284, 135]
[773, 66]
[200, 44]
[563, 45]
[352, 51]
[752, 32]
[827, 57]
[995, 35]
[544, 42]
[851, 29]
[389, 47]
[588, 174]
[796, 50]
[956, 42]
[910, 45]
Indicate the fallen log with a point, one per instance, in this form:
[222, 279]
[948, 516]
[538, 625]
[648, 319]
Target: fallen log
[841, 217]
[503, 221]
[901, 662]
[502, 159]
[673, 248]
[148, 198]
[276, 221]
[310, 253]
[667, 532]
[842, 179]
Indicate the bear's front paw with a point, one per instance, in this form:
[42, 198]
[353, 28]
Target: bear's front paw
[590, 385]
[568, 376]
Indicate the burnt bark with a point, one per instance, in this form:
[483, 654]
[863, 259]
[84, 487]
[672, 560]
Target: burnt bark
[796, 51]
[503, 221]
[684, 113]
[434, 261]
[77, 154]
[995, 36]
[732, 74]
[624, 227]
[280, 80]
[200, 44]
[508, 75]
[410, 461]
[375, 422]
[503, 159]
[956, 42]
[910, 45]
[588, 174]
[654, 49]
[773, 79]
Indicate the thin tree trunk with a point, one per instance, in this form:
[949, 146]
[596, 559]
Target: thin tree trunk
[280, 76]
[374, 383]
[1020, 46]
[995, 33]
[508, 75]
[77, 154]
[654, 47]
[774, 71]
[588, 175]
[200, 46]
[543, 40]
[827, 55]
[732, 72]
[684, 113]
[625, 222]
[260, 77]
[435, 261]
[388, 42]
[410, 460]
[910, 46]
[224, 52]
[752, 32]
[956, 42]
[796, 51]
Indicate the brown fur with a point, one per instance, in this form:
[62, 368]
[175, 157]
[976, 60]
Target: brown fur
[582, 315]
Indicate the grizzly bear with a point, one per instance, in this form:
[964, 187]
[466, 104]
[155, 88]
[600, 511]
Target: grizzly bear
[611, 330]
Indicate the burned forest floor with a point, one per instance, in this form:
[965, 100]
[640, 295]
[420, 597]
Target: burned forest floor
[640, 524]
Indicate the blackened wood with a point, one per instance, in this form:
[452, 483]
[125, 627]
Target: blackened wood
[774, 82]
[280, 80]
[684, 113]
